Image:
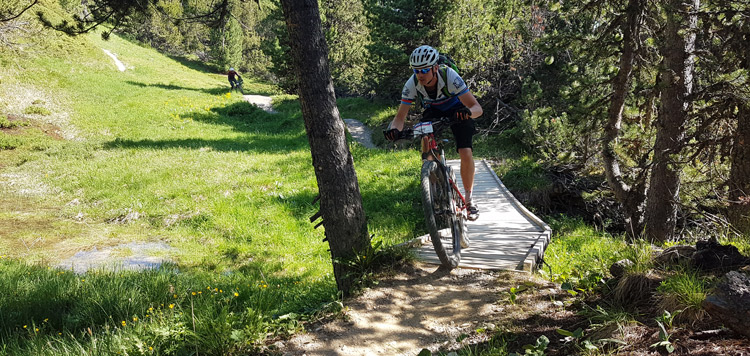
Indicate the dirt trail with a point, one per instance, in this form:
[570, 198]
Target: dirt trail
[418, 307]
[120, 66]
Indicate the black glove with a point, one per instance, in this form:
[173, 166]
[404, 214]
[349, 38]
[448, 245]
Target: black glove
[462, 114]
[392, 134]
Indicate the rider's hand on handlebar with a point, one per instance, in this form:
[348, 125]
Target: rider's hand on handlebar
[392, 134]
[462, 114]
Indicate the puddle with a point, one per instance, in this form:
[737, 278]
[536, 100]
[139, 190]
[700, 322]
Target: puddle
[131, 256]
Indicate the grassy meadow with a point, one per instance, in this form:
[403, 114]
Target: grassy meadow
[97, 158]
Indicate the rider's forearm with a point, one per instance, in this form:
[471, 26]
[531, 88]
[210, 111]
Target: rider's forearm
[400, 118]
[476, 111]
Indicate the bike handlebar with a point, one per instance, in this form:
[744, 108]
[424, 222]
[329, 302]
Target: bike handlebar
[438, 123]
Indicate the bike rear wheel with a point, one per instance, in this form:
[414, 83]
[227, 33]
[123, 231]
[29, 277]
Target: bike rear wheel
[437, 200]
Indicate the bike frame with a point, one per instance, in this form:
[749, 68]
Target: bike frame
[430, 152]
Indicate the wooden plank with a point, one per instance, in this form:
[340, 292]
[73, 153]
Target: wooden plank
[505, 237]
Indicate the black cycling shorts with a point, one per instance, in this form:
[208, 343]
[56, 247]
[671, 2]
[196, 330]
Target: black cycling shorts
[463, 132]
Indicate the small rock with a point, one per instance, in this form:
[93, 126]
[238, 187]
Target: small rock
[713, 256]
[675, 255]
[731, 302]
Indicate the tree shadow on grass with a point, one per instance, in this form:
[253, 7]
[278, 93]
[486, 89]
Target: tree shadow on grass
[251, 143]
[213, 91]
[195, 65]
[265, 132]
[220, 90]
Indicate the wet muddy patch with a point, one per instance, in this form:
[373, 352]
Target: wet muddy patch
[129, 256]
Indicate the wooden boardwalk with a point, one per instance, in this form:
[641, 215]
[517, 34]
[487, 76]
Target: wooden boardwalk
[505, 237]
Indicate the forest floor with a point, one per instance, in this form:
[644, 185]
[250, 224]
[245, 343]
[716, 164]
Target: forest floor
[420, 306]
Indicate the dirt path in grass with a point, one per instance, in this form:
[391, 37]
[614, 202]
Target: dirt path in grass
[424, 307]
[120, 66]
[420, 306]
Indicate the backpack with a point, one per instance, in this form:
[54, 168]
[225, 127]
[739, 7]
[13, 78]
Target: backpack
[444, 61]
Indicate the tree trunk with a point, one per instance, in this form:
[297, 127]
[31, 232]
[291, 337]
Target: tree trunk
[340, 200]
[739, 177]
[664, 187]
[631, 198]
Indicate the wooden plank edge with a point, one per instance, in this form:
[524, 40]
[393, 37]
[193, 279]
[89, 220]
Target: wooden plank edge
[539, 222]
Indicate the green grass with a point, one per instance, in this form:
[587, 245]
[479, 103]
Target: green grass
[228, 186]
[579, 254]
[683, 292]
[170, 310]
[37, 110]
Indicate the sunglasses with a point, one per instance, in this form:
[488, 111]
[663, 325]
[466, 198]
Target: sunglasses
[423, 70]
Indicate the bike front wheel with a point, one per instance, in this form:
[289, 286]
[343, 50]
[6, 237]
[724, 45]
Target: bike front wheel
[437, 201]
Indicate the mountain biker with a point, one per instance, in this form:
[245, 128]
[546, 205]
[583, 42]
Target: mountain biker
[234, 77]
[460, 104]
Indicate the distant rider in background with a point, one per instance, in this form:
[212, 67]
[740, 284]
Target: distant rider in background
[442, 97]
[234, 78]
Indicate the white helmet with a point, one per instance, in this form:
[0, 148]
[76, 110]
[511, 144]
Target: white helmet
[423, 56]
[231, 69]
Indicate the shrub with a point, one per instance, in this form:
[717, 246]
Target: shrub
[8, 142]
[37, 110]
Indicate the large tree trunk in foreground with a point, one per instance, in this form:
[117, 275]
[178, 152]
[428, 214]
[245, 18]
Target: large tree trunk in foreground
[677, 75]
[739, 177]
[631, 197]
[340, 200]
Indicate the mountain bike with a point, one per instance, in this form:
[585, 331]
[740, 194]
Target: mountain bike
[443, 204]
[238, 86]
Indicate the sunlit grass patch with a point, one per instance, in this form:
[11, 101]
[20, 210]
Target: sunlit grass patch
[683, 292]
[37, 110]
[579, 254]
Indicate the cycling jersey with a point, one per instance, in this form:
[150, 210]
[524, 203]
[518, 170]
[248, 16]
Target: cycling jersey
[231, 75]
[455, 86]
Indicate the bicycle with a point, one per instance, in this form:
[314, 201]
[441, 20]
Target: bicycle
[442, 202]
[238, 86]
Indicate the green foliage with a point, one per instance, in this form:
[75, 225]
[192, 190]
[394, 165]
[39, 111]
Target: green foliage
[514, 291]
[665, 325]
[538, 349]
[641, 254]
[37, 110]
[155, 310]
[8, 142]
[594, 253]
[397, 27]
[347, 36]
[524, 175]
[227, 40]
[684, 291]
[7, 124]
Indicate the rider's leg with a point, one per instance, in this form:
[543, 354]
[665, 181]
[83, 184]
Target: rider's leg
[464, 133]
[467, 171]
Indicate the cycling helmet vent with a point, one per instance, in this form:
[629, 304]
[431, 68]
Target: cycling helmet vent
[423, 56]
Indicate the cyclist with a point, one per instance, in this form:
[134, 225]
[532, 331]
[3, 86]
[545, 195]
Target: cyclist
[441, 97]
[234, 77]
